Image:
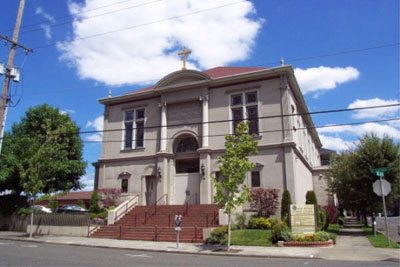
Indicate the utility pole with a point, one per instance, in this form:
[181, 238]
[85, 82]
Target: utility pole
[10, 70]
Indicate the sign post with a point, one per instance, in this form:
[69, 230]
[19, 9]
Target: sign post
[178, 221]
[383, 192]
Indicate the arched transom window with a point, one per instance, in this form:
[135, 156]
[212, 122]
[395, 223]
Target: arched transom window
[188, 144]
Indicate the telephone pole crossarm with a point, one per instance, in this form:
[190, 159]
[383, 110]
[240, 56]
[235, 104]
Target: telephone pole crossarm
[16, 44]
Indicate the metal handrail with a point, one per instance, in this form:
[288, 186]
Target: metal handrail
[187, 202]
[128, 205]
[166, 201]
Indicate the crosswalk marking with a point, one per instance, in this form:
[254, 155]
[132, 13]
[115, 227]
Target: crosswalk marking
[138, 255]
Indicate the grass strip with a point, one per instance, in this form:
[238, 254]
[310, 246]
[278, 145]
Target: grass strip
[251, 237]
[380, 240]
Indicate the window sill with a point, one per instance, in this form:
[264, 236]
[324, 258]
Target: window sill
[257, 137]
[127, 150]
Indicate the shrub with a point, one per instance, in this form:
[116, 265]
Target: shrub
[341, 220]
[285, 203]
[252, 222]
[316, 237]
[321, 219]
[263, 223]
[265, 201]
[277, 232]
[311, 198]
[218, 236]
[80, 203]
[273, 221]
[286, 235]
[94, 203]
[109, 196]
[241, 220]
[327, 220]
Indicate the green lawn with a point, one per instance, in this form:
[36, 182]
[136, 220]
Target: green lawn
[380, 240]
[251, 237]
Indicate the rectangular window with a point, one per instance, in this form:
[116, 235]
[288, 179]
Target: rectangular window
[134, 129]
[255, 179]
[124, 186]
[245, 110]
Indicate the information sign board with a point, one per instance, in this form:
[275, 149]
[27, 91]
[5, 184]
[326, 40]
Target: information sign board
[302, 219]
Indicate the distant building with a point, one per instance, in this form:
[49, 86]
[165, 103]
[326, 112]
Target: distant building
[71, 198]
[162, 142]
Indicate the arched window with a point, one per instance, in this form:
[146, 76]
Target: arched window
[187, 145]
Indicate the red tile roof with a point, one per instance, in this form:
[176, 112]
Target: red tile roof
[76, 195]
[219, 72]
[214, 73]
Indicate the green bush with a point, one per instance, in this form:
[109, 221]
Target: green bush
[286, 235]
[321, 219]
[285, 203]
[316, 237]
[311, 198]
[252, 223]
[53, 203]
[218, 236]
[327, 220]
[241, 220]
[273, 221]
[94, 203]
[263, 223]
[277, 232]
[341, 221]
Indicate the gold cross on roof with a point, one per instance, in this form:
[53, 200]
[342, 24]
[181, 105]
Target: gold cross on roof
[184, 53]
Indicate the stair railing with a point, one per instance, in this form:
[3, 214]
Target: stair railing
[115, 214]
[187, 203]
[158, 200]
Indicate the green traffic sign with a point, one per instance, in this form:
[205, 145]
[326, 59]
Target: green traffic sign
[380, 171]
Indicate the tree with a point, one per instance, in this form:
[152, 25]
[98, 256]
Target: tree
[94, 203]
[350, 176]
[285, 204]
[42, 153]
[311, 199]
[234, 165]
[265, 200]
[109, 197]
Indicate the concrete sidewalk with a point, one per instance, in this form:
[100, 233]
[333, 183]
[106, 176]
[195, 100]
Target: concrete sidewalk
[351, 249]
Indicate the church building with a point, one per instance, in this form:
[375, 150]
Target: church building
[162, 143]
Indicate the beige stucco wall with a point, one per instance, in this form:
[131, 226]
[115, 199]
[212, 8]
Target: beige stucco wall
[320, 187]
[303, 180]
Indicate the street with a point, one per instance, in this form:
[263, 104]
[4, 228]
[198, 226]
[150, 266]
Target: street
[393, 223]
[18, 253]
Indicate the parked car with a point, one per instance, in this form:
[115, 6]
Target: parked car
[41, 208]
[71, 209]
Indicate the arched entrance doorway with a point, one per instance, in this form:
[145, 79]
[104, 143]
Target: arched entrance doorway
[187, 178]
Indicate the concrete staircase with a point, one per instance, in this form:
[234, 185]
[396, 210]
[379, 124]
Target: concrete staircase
[157, 223]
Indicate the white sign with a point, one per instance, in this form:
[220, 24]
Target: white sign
[385, 186]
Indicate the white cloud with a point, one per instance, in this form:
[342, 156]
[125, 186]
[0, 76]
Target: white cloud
[88, 183]
[144, 43]
[45, 27]
[376, 112]
[324, 78]
[97, 124]
[67, 111]
[360, 130]
[336, 143]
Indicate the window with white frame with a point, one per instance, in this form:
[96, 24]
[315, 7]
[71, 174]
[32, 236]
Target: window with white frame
[134, 128]
[244, 106]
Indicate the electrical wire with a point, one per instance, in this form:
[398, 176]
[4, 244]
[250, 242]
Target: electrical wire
[261, 117]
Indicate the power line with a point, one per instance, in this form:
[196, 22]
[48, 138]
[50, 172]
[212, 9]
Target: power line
[69, 16]
[261, 117]
[143, 24]
[89, 17]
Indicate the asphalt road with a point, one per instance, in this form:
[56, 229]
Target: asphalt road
[393, 223]
[17, 253]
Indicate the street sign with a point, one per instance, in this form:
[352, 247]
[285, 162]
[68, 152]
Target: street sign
[385, 187]
[379, 171]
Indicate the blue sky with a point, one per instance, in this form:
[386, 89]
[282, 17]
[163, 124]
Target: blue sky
[127, 45]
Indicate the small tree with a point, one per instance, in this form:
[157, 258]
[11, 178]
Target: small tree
[311, 198]
[109, 197]
[80, 203]
[53, 203]
[265, 201]
[94, 203]
[234, 165]
[285, 204]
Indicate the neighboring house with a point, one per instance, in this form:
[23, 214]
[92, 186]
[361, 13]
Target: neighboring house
[162, 142]
[71, 198]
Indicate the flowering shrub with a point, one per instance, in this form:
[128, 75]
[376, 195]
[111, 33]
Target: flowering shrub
[259, 223]
[317, 237]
